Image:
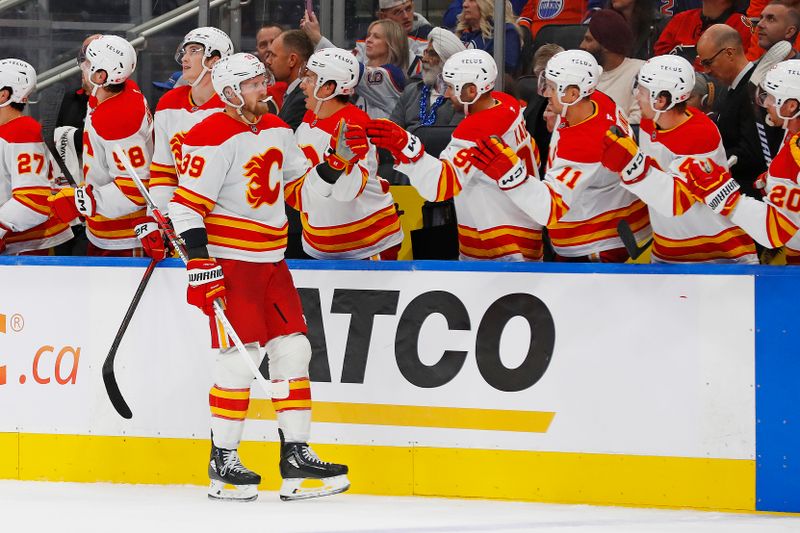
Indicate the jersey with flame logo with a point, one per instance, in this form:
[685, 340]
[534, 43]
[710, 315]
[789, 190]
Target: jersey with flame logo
[175, 115]
[257, 171]
[231, 182]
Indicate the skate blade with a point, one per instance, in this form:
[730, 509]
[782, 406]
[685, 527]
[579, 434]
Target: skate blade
[237, 493]
[292, 489]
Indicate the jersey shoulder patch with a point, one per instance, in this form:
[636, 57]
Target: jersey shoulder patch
[497, 119]
[24, 129]
[121, 115]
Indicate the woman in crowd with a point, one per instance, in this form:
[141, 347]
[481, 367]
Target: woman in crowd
[383, 79]
[476, 25]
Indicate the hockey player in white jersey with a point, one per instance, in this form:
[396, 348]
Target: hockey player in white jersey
[490, 226]
[183, 107]
[117, 114]
[774, 221]
[579, 200]
[356, 218]
[672, 135]
[229, 210]
[26, 224]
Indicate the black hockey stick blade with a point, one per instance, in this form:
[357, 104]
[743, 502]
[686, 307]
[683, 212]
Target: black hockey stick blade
[109, 378]
[629, 240]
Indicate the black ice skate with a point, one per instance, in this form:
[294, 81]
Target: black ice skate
[225, 468]
[300, 464]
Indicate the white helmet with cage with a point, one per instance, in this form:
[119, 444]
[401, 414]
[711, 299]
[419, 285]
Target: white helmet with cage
[781, 83]
[471, 66]
[668, 73]
[229, 73]
[113, 55]
[213, 41]
[18, 76]
[568, 68]
[337, 65]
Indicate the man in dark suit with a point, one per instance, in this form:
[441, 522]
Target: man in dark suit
[289, 52]
[720, 52]
[287, 57]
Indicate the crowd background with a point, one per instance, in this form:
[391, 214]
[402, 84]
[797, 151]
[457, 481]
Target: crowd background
[621, 34]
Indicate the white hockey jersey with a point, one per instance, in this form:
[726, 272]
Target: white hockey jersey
[232, 184]
[379, 90]
[774, 221]
[122, 119]
[579, 200]
[685, 231]
[175, 115]
[358, 219]
[24, 189]
[490, 225]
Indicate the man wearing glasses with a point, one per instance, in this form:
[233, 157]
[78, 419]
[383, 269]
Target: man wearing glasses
[720, 53]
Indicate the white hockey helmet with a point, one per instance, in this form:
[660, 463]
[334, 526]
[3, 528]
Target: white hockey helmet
[20, 77]
[572, 67]
[231, 71]
[782, 83]
[212, 39]
[668, 73]
[337, 65]
[112, 54]
[470, 66]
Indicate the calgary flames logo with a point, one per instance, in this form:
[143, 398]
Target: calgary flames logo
[176, 143]
[257, 170]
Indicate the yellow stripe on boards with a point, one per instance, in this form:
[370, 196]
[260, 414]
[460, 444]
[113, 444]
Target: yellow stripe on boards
[720, 484]
[417, 416]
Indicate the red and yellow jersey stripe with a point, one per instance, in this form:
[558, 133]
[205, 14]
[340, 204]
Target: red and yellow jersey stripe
[244, 234]
[130, 190]
[194, 201]
[230, 404]
[499, 242]
[731, 243]
[299, 398]
[448, 185]
[600, 227]
[114, 228]
[34, 198]
[162, 175]
[354, 235]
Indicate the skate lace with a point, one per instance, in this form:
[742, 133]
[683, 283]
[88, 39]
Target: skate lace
[309, 455]
[232, 463]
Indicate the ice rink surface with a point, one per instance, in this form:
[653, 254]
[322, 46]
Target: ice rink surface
[77, 507]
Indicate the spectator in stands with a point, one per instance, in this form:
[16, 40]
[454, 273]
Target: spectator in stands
[609, 40]
[268, 32]
[450, 17]
[421, 104]
[287, 56]
[399, 11]
[780, 21]
[669, 8]
[684, 29]
[538, 13]
[475, 28]
[383, 79]
[645, 21]
[720, 51]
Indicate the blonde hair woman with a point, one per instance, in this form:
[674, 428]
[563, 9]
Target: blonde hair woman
[383, 80]
[476, 30]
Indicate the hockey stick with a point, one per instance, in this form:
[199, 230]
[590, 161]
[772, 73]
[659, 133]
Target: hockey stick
[629, 239]
[178, 245]
[110, 380]
[51, 146]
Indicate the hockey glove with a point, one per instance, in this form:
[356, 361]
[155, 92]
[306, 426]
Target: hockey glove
[404, 147]
[760, 184]
[622, 155]
[153, 242]
[70, 203]
[497, 160]
[341, 155]
[206, 284]
[712, 184]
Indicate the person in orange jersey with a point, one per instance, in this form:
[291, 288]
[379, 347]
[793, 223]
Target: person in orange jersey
[229, 210]
[26, 225]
